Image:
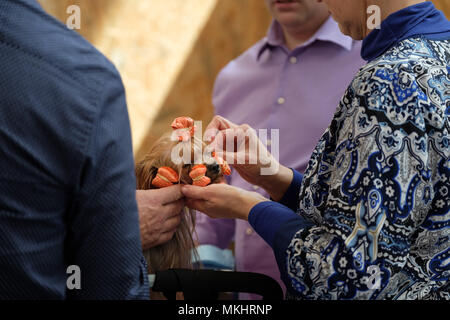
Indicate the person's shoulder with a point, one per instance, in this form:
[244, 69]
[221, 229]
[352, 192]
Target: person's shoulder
[51, 73]
[409, 58]
[251, 53]
[405, 84]
[418, 49]
[246, 60]
[405, 63]
[414, 51]
[49, 49]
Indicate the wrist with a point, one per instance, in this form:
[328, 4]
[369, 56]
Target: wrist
[249, 200]
[276, 185]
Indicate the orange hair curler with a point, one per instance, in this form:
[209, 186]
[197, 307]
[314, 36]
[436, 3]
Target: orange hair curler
[165, 177]
[184, 123]
[198, 176]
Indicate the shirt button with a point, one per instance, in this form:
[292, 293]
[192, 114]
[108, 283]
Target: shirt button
[249, 231]
[281, 100]
[255, 188]
[293, 60]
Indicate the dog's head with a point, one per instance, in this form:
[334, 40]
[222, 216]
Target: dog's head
[160, 169]
[167, 163]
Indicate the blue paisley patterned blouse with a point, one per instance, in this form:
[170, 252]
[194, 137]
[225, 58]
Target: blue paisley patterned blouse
[373, 210]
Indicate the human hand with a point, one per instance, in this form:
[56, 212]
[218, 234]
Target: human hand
[240, 146]
[159, 214]
[221, 200]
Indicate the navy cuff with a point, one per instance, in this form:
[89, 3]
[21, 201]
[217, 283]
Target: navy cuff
[291, 197]
[277, 225]
[268, 217]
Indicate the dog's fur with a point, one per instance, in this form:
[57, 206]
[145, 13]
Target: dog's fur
[177, 252]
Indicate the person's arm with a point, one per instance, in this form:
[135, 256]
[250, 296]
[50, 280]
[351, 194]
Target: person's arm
[274, 221]
[248, 156]
[103, 236]
[159, 214]
[364, 219]
[290, 198]
[269, 217]
[277, 225]
[356, 222]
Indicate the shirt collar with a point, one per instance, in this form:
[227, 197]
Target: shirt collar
[419, 19]
[329, 31]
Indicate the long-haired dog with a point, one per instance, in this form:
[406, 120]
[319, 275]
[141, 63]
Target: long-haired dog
[159, 169]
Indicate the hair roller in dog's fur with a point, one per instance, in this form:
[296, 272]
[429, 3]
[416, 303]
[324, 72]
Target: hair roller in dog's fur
[158, 170]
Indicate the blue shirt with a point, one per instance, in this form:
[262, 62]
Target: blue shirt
[67, 184]
[372, 219]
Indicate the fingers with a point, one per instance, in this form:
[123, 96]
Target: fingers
[220, 123]
[169, 194]
[197, 198]
[165, 237]
[220, 140]
[174, 208]
[167, 229]
[207, 199]
[217, 124]
[171, 224]
[237, 138]
[195, 193]
[199, 205]
[223, 201]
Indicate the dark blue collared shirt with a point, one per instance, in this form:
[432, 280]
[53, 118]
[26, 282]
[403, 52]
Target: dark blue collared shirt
[67, 184]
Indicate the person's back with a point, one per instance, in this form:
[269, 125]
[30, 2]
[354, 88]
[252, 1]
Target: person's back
[66, 180]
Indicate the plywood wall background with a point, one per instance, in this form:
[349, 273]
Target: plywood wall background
[443, 5]
[233, 26]
[170, 51]
[167, 51]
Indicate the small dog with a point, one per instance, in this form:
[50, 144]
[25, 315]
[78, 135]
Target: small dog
[158, 170]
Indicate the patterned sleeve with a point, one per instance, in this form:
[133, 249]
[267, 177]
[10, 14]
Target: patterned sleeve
[377, 189]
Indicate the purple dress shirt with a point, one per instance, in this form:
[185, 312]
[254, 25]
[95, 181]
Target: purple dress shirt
[271, 87]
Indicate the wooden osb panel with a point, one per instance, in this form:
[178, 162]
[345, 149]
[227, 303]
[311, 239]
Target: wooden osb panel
[233, 27]
[94, 14]
[148, 41]
[443, 5]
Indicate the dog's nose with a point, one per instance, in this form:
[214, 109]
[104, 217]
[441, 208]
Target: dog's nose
[213, 168]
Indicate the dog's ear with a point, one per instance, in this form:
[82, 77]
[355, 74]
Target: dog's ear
[153, 172]
[145, 172]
